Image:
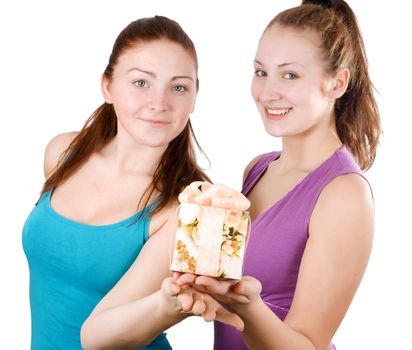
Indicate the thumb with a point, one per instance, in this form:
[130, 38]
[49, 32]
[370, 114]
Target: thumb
[248, 286]
[169, 288]
[230, 318]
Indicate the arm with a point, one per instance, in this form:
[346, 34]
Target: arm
[338, 250]
[135, 311]
[335, 258]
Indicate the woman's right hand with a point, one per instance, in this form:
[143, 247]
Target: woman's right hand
[186, 299]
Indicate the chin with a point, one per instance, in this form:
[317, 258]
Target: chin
[154, 144]
[150, 142]
[275, 132]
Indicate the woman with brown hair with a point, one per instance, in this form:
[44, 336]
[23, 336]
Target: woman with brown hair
[311, 206]
[108, 204]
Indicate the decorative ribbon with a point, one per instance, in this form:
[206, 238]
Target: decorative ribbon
[219, 196]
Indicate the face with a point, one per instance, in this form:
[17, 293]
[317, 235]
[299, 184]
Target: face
[289, 82]
[153, 91]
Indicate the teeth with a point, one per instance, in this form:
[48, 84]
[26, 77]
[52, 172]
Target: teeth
[278, 111]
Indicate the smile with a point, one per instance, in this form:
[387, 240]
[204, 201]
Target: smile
[277, 113]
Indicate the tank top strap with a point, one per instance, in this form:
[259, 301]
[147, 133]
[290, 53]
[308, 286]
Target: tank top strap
[257, 170]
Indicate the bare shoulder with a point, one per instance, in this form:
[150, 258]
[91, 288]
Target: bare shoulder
[345, 201]
[164, 221]
[54, 149]
[250, 166]
[347, 190]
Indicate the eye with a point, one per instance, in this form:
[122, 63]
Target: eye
[290, 76]
[180, 88]
[260, 73]
[141, 83]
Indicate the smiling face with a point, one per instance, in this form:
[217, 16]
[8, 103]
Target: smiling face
[153, 91]
[289, 84]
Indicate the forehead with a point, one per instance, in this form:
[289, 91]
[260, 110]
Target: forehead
[157, 55]
[286, 44]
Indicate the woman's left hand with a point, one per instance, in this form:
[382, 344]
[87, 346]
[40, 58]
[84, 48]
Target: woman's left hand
[234, 294]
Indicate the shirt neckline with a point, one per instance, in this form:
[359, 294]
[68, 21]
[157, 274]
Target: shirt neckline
[275, 156]
[81, 225]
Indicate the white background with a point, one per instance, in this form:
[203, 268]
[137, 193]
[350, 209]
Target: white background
[52, 56]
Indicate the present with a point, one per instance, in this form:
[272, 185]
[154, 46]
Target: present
[212, 231]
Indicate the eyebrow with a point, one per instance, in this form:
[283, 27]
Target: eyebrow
[142, 70]
[182, 77]
[282, 64]
[152, 74]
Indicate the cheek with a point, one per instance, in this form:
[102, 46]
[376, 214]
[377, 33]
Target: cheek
[298, 97]
[301, 94]
[184, 109]
[129, 103]
[255, 89]
[126, 100]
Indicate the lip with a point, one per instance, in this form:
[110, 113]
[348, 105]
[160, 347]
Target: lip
[277, 113]
[155, 123]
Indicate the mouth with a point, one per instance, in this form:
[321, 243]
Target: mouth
[277, 113]
[154, 122]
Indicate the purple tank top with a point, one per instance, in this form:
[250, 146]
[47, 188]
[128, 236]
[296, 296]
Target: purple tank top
[278, 238]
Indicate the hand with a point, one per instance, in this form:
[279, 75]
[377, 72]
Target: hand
[170, 290]
[232, 293]
[189, 300]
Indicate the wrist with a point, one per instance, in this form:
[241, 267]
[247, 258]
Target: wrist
[244, 310]
[169, 307]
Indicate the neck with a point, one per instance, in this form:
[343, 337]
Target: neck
[307, 151]
[133, 158]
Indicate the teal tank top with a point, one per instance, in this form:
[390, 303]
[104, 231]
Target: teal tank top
[72, 267]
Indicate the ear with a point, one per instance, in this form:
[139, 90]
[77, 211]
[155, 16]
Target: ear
[105, 86]
[339, 84]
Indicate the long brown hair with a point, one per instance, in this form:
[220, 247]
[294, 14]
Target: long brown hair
[177, 167]
[356, 113]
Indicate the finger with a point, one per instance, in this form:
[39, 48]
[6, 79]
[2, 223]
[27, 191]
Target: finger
[222, 298]
[186, 278]
[186, 298]
[210, 311]
[213, 285]
[201, 289]
[199, 306]
[174, 290]
[230, 319]
[223, 291]
[176, 275]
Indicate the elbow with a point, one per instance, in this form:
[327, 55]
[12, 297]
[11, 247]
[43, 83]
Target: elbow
[95, 338]
[87, 337]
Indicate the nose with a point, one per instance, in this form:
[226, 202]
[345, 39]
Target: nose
[157, 101]
[266, 91]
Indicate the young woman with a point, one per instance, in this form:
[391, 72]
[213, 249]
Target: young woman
[110, 196]
[311, 207]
